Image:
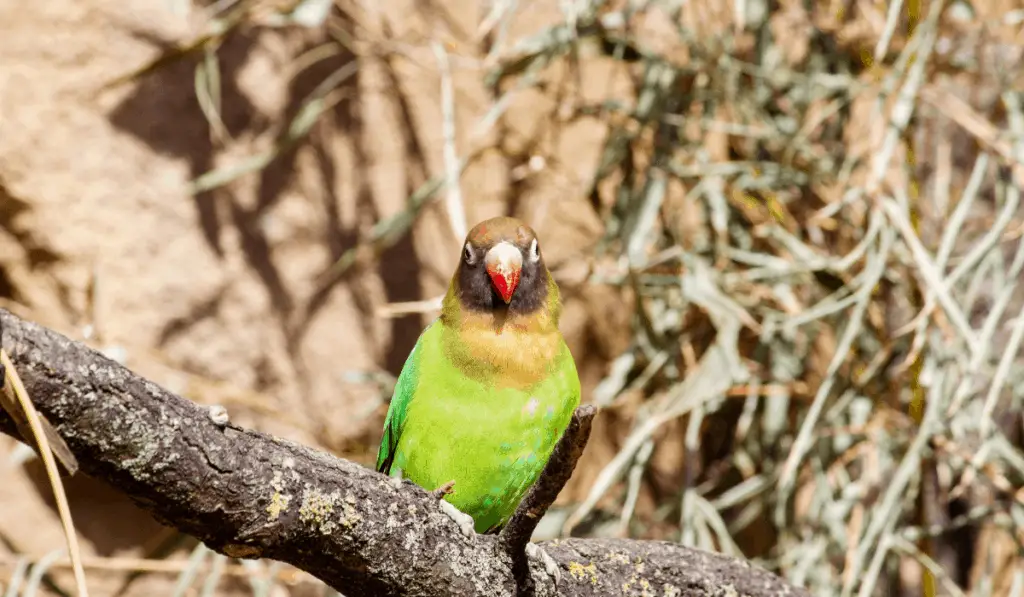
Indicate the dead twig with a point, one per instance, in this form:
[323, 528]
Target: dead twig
[18, 404]
[516, 534]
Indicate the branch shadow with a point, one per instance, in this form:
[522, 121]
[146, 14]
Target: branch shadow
[397, 265]
[162, 111]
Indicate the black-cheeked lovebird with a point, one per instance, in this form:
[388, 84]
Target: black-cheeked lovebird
[490, 385]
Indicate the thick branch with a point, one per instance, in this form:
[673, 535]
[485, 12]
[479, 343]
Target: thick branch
[247, 494]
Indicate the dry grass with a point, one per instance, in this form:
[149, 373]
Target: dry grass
[815, 216]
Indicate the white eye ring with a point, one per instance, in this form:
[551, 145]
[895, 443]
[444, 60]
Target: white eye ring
[469, 255]
[534, 253]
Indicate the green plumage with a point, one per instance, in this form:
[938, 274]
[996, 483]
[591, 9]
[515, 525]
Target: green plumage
[453, 420]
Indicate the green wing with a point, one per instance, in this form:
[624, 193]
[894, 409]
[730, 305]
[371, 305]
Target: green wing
[405, 387]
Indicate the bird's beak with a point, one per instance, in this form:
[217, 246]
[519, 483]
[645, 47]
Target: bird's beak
[504, 262]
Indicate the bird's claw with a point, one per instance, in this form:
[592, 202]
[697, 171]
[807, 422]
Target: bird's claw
[465, 521]
[550, 566]
[443, 490]
[396, 478]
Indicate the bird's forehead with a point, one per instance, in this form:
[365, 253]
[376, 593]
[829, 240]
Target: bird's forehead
[495, 230]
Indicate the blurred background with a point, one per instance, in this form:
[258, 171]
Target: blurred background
[787, 235]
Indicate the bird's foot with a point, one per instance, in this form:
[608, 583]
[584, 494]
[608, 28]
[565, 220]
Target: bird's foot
[396, 478]
[465, 521]
[443, 490]
[550, 566]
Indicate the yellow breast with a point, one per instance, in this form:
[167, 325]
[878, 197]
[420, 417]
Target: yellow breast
[518, 349]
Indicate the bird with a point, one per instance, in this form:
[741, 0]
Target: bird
[490, 384]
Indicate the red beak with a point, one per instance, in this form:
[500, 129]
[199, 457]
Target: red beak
[504, 282]
[504, 262]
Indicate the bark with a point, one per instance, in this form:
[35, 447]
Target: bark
[247, 494]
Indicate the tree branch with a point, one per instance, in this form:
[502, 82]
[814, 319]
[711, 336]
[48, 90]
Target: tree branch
[553, 478]
[248, 495]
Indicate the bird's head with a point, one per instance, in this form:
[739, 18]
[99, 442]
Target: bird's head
[502, 268]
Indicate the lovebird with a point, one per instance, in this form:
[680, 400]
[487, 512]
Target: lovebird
[489, 386]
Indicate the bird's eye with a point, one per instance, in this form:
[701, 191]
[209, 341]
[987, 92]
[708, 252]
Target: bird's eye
[534, 253]
[469, 255]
